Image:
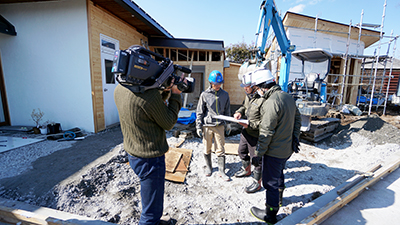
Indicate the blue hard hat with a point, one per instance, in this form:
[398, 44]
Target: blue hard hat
[215, 77]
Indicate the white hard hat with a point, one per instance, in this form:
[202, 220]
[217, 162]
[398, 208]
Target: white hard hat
[262, 76]
[247, 80]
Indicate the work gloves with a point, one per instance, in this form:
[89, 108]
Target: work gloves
[228, 129]
[199, 133]
[255, 161]
[295, 144]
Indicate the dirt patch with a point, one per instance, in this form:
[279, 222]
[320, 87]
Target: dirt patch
[107, 189]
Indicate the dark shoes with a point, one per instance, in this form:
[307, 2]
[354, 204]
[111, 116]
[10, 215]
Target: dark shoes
[267, 215]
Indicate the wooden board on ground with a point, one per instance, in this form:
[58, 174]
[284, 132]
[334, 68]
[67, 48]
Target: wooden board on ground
[231, 147]
[181, 170]
[181, 167]
[172, 159]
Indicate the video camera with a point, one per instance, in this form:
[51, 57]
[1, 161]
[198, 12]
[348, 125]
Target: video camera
[140, 69]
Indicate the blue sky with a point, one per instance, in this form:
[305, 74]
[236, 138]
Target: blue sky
[235, 21]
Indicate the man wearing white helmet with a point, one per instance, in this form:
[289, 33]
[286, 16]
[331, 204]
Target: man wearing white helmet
[249, 135]
[280, 125]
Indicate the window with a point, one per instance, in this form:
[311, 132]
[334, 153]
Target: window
[202, 56]
[159, 51]
[107, 44]
[182, 55]
[216, 56]
[167, 52]
[173, 54]
[110, 79]
[194, 54]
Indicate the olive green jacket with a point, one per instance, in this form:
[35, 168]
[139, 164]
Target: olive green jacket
[144, 117]
[280, 120]
[251, 109]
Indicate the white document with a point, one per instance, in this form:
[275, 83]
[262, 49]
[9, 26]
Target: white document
[231, 119]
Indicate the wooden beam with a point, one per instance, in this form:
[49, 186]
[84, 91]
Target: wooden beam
[355, 82]
[15, 212]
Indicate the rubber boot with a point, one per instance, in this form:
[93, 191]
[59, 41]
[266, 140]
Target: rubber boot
[281, 196]
[208, 169]
[245, 170]
[221, 167]
[256, 184]
[268, 215]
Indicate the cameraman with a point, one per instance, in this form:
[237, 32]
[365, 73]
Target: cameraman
[144, 117]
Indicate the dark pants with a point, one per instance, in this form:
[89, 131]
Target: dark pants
[151, 172]
[247, 147]
[273, 178]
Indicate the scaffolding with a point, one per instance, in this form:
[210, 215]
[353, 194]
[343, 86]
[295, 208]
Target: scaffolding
[368, 87]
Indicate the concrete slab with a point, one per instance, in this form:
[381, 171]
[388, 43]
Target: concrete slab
[7, 143]
[375, 205]
[380, 204]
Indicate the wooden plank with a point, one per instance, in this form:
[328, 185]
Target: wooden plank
[181, 167]
[231, 148]
[15, 212]
[332, 207]
[177, 145]
[172, 159]
[355, 82]
[180, 176]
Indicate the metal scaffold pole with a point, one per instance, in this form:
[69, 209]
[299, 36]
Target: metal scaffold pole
[377, 59]
[345, 65]
[383, 76]
[363, 60]
[390, 73]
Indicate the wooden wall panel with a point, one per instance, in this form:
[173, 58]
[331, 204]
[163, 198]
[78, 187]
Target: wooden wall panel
[101, 21]
[232, 84]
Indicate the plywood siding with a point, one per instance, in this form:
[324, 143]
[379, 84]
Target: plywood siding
[102, 22]
[232, 84]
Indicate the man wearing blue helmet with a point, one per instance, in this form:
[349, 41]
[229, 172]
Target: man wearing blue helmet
[213, 101]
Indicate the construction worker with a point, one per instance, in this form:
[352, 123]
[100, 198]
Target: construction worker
[249, 135]
[213, 101]
[144, 117]
[279, 127]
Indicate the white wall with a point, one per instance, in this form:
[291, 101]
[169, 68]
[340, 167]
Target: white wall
[47, 64]
[304, 39]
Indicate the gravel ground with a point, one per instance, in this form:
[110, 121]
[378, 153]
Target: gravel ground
[107, 189]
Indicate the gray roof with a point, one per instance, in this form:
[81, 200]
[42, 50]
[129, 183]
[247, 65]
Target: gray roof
[187, 43]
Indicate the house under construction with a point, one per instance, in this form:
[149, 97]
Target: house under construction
[353, 77]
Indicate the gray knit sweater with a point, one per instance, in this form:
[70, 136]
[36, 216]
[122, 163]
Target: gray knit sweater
[144, 117]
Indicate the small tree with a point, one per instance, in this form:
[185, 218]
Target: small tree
[37, 116]
[239, 52]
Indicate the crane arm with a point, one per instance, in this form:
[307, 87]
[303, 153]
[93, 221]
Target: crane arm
[269, 16]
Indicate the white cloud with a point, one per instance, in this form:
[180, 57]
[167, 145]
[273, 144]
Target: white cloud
[297, 8]
[313, 2]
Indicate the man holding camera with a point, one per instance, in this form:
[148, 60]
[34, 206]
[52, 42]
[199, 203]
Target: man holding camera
[213, 101]
[144, 117]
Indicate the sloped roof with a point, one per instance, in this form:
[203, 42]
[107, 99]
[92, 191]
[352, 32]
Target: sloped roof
[187, 43]
[126, 10]
[296, 20]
